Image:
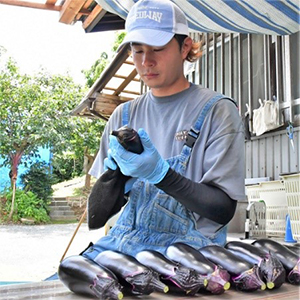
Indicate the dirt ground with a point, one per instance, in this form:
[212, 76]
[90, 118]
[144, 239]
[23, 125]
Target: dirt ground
[70, 187]
[33, 252]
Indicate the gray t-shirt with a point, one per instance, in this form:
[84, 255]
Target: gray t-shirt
[218, 154]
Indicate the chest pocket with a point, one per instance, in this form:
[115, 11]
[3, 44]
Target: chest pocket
[169, 216]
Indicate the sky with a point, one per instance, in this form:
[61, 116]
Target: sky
[35, 38]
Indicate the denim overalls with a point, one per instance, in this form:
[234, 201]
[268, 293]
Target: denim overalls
[152, 219]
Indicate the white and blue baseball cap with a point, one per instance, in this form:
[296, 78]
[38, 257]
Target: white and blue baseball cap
[154, 23]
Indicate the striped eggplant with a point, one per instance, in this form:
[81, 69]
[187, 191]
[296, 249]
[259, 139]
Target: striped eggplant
[186, 279]
[131, 273]
[85, 277]
[244, 275]
[271, 268]
[287, 257]
[218, 279]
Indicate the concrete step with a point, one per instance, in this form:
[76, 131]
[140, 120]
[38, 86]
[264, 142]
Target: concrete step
[59, 203]
[61, 210]
[62, 215]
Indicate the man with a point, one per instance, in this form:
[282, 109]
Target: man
[188, 179]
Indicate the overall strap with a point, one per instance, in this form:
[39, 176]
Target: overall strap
[195, 130]
[126, 112]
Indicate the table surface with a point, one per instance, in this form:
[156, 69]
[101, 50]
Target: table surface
[55, 290]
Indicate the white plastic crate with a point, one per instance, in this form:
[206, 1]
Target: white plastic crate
[273, 194]
[292, 189]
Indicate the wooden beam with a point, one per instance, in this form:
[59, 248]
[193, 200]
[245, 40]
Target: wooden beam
[31, 5]
[97, 13]
[123, 91]
[38, 5]
[69, 11]
[128, 62]
[124, 77]
[51, 2]
[126, 82]
[85, 6]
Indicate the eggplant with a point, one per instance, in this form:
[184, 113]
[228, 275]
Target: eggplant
[83, 276]
[186, 279]
[271, 268]
[129, 139]
[218, 279]
[287, 257]
[130, 272]
[244, 275]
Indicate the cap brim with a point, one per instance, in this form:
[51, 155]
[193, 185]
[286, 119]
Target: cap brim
[149, 37]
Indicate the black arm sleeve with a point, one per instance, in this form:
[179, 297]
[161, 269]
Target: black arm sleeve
[206, 200]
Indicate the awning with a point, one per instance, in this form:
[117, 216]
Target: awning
[273, 17]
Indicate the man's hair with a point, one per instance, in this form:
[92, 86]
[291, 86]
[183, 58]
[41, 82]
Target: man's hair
[195, 51]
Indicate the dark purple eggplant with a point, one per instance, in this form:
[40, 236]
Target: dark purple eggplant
[244, 275]
[83, 276]
[186, 279]
[287, 257]
[218, 279]
[271, 268]
[129, 139]
[142, 280]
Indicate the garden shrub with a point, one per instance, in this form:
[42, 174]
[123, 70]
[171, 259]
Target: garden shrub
[38, 180]
[27, 205]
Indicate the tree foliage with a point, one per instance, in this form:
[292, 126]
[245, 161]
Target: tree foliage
[96, 69]
[83, 143]
[38, 180]
[34, 112]
[119, 39]
[100, 64]
[27, 206]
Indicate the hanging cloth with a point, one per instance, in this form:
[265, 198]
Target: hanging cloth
[266, 117]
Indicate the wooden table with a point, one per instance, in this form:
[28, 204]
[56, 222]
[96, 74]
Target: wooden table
[55, 290]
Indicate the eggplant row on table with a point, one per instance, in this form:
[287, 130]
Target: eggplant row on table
[136, 277]
[249, 267]
[218, 278]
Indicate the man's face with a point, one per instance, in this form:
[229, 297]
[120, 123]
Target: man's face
[161, 68]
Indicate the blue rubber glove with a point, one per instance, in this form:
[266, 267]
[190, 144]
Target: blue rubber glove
[109, 163]
[148, 165]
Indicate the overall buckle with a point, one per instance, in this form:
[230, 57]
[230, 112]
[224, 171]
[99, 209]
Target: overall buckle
[191, 137]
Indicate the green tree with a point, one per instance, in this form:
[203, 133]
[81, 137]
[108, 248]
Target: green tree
[34, 112]
[79, 155]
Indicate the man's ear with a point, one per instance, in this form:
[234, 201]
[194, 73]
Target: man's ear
[186, 47]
